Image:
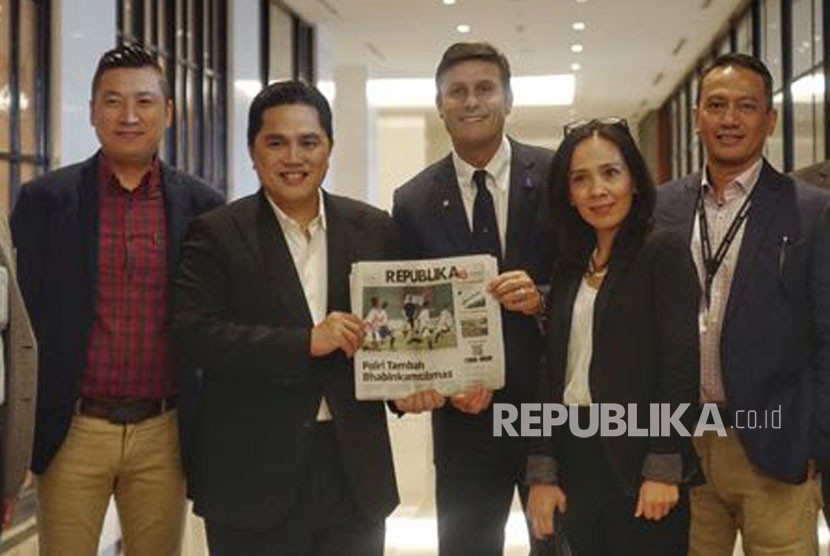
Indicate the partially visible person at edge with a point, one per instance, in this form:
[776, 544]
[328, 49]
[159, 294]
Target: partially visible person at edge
[622, 328]
[97, 243]
[18, 381]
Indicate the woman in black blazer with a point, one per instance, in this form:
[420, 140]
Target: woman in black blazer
[623, 329]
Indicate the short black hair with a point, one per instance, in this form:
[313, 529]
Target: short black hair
[576, 237]
[288, 92]
[738, 60]
[129, 56]
[484, 51]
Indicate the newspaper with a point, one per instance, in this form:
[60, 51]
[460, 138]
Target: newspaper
[429, 324]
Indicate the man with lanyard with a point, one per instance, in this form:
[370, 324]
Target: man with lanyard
[761, 242]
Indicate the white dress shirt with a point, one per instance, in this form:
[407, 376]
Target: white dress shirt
[309, 250]
[498, 184]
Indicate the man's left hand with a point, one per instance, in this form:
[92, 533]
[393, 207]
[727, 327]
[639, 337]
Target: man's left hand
[516, 291]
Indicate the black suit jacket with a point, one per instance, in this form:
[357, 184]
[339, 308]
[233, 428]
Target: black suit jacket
[55, 228]
[241, 316]
[775, 343]
[430, 222]
[645, 348]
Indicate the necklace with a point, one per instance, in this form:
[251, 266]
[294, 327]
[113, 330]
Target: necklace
[593, 270]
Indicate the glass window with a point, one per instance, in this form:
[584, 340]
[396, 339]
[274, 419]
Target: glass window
[281, 40]
[694, 142]
[190, 37]
[771, 48]
[28, 38]
[5, 72]
[675, 139]
[683, 146]
[807, 87]
[5, 184]
[743, 33]
[774, 150]
[818, 35]
[723, 45]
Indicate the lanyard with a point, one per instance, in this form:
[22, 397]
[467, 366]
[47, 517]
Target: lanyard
[712, 263]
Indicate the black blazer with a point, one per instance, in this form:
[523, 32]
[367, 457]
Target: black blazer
[645, 347]
[431, 222]
[775, 342]
[241, 316]
[55, 228]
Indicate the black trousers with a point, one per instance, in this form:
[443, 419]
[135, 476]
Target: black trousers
[600, 518]
[475, 478]
[326, 521]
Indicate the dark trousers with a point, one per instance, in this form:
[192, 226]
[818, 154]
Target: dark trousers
[325, 522]
[475, 478]
[600, 518]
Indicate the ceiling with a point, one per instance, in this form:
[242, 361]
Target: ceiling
[627, 43]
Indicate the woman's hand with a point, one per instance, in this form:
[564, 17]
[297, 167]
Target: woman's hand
[541, 504]
[656, 500]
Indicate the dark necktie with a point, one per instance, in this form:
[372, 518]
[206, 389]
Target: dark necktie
[485, 226]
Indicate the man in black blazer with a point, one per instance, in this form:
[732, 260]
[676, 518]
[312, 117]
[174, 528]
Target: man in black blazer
[764, 321]
[488, 196]
[285, 459]
[97, 243]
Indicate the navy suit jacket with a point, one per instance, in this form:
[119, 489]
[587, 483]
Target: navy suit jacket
[775, 343]
[241, 316]
[55, 228]
[431, 222]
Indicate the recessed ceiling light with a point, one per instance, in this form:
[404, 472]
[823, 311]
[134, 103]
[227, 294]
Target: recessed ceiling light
[576, 66]
[449, 2]
[463, 28]
[576, 48]
[581, 1]
[578, 26]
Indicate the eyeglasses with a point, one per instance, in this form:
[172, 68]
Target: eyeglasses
[594, 123]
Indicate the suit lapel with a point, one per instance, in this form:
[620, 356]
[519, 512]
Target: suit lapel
[447, 204]
[88, 221]
[764, 205]
[524, 184]
[259, 227]
[339, 255]
[687, 212]
[620, 259]
[176, 213]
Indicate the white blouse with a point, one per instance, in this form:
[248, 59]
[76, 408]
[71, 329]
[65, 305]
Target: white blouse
[580, 347]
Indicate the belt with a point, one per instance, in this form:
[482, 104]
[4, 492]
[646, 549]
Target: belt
[124, 411]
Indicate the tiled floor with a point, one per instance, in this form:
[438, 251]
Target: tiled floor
[411, 530]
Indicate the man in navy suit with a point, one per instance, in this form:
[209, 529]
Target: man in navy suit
[488, 196]
[761, 242]
[97, 244]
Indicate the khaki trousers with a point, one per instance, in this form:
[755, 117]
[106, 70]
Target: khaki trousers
[774, 517]
[137, 464]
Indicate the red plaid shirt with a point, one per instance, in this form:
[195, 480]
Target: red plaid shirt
[129, 353]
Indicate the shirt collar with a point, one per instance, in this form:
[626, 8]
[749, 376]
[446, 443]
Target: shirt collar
[745, 182]
[285, 220]
[497, 165]
[150, 182]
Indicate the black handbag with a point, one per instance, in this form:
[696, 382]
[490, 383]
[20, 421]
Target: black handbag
[557, 545]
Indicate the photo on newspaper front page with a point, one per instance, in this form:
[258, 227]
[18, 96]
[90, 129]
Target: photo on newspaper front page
[429, 324]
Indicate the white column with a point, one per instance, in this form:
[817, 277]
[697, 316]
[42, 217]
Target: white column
[80, 40]
[355, 152]
[243, 86]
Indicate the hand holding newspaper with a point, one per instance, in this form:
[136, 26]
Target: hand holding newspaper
[430, 324]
